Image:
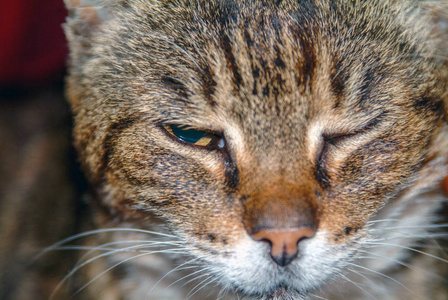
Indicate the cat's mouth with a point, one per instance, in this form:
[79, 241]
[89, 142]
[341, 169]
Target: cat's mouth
[280, 291]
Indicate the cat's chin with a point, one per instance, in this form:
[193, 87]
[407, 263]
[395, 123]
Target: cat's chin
[251, 271]
[274, 288]
[278, 293]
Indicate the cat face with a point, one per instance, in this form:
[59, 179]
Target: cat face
[266, 138]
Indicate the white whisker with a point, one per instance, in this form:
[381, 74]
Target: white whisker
[107, 270]
[187, 276]
[208, 280]
[199, 276]
[384, 275]
[362, 275]
[359, 286]
[180, 267]
[98, 231]
[411, 236]
[222, 293]
[380, 257]
[318, 297]
[416, 226]
[383, 220]
[81, 265]
[140, 244]
[377, 244]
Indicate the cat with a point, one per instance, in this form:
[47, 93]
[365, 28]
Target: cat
[259, 149]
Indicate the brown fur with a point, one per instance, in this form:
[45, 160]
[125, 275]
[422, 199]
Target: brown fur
[333, 113]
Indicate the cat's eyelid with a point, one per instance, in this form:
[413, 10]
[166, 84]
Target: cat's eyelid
[188, 127]
[372, 123]
[333, 139]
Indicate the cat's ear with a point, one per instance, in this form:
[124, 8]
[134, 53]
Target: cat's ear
[90, 12]
[85, 20]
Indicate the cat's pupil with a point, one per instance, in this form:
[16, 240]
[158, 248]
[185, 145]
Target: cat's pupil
[191, 136]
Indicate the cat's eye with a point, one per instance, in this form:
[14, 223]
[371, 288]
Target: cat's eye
[195, 137]
[322, 155]
[334, 140]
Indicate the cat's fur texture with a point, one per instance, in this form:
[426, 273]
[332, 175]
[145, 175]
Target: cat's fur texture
[328, 122]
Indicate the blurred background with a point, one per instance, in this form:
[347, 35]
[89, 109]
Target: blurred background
[38, 175]
[33, 48]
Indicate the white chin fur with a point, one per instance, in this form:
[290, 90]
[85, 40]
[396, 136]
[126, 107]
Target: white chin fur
[250, 269]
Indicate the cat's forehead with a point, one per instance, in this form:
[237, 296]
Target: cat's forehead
[249, 60]
[265, 63]
[275, 64]
[281, 69]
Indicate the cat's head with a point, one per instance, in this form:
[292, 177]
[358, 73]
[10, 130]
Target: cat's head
[267, 136]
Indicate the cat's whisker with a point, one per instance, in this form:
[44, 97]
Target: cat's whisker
[379, 244]
[199, 276]
[376, 256]
[383, 220]
[404, 235]
[140, 243]
[107, 270]
[383, 275]
[436, 245]
[208, 280]
[380, 233]
[100, 231]
[107, 246]
[238, 296]
[425, 226]
[421, 245]
[201, 269]
[368, 280]
[425, 244]
[223, 292]
[81, 265]
[178, 268]
[82, 248]
[358, 285]
[318, 297]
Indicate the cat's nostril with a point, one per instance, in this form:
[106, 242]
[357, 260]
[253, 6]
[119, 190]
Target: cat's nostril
[284, 244]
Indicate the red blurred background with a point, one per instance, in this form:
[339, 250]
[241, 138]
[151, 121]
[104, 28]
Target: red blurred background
[32, 44]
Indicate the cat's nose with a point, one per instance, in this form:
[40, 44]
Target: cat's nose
[284, 244]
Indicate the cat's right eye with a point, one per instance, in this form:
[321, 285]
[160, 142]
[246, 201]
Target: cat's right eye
[195, 137]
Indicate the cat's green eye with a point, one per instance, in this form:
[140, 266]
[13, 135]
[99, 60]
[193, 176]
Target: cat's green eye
[192, 136]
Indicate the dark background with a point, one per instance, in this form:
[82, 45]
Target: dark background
[39, 179]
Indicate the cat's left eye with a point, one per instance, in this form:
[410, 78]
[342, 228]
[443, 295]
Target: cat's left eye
[194, 137]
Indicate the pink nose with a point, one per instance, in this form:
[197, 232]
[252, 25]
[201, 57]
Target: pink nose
[284, 244]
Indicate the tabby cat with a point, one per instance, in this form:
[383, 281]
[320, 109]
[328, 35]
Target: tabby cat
[259, 149]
